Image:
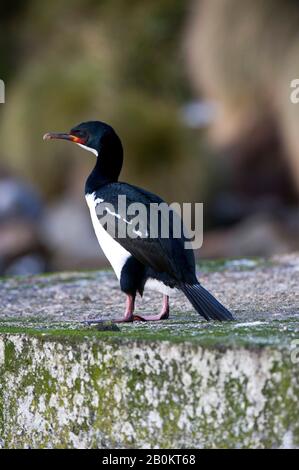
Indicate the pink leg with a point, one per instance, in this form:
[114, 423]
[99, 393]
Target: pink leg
[128, 317]
[163, 315]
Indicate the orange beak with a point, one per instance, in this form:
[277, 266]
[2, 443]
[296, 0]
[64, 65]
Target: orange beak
[62, 136]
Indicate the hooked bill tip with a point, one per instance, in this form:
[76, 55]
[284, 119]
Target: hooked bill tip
[47, 136]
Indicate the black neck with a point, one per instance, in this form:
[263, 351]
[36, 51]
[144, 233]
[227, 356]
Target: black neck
[108, 165]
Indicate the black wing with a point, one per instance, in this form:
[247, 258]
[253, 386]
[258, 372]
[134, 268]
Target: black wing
[146, 240]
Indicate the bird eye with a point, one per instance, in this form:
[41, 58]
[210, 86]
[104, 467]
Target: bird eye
[80, 134]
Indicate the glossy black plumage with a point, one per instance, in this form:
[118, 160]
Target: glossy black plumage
[161, 254]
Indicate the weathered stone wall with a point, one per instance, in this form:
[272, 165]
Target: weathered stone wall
[76, 391]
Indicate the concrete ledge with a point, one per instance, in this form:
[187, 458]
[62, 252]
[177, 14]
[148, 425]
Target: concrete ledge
[76, 391]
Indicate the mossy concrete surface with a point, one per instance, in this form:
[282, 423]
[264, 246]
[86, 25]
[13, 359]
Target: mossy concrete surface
[179, 383]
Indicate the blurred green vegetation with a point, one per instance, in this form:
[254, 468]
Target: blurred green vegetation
[130, 63]
[120, 61]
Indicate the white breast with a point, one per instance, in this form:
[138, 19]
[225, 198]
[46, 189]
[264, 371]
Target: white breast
[115, 253]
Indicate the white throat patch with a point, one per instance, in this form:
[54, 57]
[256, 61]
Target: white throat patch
[89, 149]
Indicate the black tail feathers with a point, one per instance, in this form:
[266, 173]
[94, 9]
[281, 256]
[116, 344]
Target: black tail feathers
[205, 304]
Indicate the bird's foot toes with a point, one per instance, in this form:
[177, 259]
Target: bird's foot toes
[150, 318]
[139, 318]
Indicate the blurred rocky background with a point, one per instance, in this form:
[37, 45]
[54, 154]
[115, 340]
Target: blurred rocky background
[199, 92]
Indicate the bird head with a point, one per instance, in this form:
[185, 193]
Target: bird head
[91, 135]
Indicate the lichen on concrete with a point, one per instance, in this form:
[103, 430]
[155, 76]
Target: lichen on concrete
[92, 393]
[181, 383]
